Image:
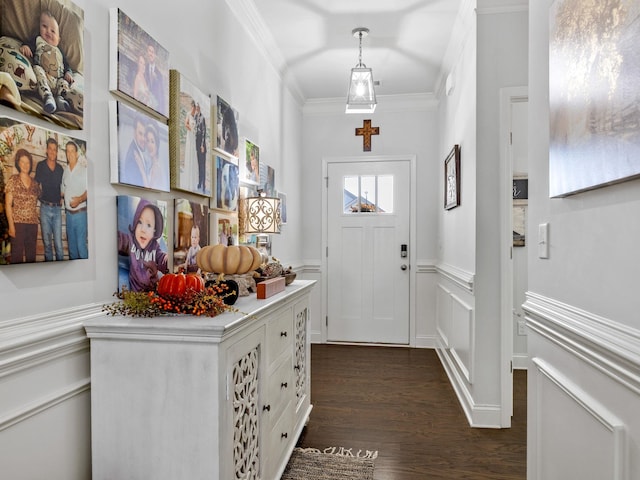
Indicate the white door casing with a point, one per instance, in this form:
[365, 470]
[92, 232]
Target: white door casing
[368, 281]
[508, 97]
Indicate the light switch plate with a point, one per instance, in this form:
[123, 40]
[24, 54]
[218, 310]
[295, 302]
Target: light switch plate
[543, 240]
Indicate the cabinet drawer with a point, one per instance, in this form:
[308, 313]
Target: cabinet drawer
[280, 390]
[280, 337]
[279, 442]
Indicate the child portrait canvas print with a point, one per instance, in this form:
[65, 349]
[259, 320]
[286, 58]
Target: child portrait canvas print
[142, 243]
[190, 235]
[42, 59]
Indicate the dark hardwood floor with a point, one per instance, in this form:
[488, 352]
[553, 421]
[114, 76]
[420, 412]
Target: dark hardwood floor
[399, 402]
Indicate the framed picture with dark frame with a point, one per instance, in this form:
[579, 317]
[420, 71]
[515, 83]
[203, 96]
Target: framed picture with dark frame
[452, 178]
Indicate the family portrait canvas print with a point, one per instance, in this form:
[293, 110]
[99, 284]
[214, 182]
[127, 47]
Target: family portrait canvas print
[142, 243]
[139, 148]
[190, 133]
[42, 59]
[139, 65]
[43, 186]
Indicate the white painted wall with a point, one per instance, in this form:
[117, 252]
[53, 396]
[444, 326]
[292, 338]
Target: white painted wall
[208, 52]
[44, 375]
[582, 311]
[493, 55]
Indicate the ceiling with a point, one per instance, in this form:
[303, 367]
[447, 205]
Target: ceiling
[312, 42]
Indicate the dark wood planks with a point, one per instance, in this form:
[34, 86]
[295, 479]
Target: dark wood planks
[399, 401]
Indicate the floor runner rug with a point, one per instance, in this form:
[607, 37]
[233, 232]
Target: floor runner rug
[334, 463]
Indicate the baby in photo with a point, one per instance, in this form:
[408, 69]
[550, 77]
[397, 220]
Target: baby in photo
[54, 77]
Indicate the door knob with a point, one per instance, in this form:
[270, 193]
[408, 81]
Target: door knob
[403, 267]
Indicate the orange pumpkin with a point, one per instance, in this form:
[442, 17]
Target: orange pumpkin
[175, 285]
[230, 260]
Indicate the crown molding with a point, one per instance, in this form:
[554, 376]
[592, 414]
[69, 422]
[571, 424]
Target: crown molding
[492, 7]
[249, 17]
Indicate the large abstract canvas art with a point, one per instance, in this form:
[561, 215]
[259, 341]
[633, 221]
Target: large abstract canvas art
[594, 94]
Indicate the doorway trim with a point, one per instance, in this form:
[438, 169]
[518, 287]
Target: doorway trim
[411, 158]
[508, 96]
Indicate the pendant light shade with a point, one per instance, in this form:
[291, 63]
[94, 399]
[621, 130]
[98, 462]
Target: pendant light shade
[262, 215]
[362, 96]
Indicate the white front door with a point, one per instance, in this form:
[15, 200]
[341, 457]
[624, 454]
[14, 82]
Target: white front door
[368, 223]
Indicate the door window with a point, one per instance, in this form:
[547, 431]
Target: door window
[367, 194]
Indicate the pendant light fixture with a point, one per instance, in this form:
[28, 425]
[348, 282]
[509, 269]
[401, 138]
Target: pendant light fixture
[361, 97]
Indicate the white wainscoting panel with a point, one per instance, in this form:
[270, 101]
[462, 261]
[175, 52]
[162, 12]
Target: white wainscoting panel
[594, 441]
[583, 394]
[425, 301]
[444, 307]
[463, 332]
[45, 401]
[606, 345]
[455, 329]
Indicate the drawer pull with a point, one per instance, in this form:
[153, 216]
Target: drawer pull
[283, 334]
[283, 385]
[296, 367]
[284, 435]
[266, 408]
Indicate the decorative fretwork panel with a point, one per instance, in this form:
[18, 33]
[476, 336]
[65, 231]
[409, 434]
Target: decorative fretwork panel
[301, 353]
[246, 428]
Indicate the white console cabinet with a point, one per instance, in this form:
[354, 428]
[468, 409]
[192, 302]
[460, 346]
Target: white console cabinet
[194, 398]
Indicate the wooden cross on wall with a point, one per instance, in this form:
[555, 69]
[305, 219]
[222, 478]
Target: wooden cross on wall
[366, 131]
